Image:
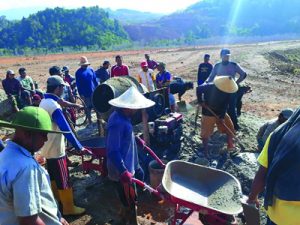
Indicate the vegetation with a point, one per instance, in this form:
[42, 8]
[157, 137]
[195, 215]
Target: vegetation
[54, 29]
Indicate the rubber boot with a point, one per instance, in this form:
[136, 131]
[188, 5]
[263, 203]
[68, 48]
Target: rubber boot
[55, 190]
[67, 201]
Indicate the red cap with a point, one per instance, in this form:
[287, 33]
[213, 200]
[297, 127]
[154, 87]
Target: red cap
[144, 64]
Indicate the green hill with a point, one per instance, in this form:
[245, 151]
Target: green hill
[57, 28]
[210, 18]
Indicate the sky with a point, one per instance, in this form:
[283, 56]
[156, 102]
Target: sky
[159, 6]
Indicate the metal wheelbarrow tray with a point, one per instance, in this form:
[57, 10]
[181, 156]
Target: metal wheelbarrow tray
[97, 147]
[208, 191]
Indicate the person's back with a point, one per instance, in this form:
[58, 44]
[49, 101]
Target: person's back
[86, 81]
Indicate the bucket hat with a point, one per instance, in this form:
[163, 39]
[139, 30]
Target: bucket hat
[83, 61]
[132, 99]
[226, 84]
[33, 119]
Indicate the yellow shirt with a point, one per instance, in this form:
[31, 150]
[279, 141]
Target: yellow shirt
[281, 212]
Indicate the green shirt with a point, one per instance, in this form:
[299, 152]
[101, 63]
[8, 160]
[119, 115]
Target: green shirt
[26, 82]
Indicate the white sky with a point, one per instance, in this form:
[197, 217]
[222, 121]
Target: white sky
[159, 6]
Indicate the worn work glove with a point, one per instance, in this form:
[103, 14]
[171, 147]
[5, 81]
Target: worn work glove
[126, 177]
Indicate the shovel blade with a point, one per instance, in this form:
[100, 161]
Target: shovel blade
[251, 214]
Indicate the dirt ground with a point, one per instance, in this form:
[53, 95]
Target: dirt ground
[272, 91]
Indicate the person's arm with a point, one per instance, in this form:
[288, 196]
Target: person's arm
[59, 118]
[199, 75]
[95, 79]
[5, 88]
[242, 74]
[258, 185]
[65, 104]
[201, 90]
[114, 140]
[127, 68]
[212, 75]
[32, 84]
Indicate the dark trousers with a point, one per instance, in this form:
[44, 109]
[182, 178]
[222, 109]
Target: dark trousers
[232, 110]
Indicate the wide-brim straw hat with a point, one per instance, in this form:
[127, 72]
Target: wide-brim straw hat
[226, 84]
[132, 99]
[83, 61]
[32, 119]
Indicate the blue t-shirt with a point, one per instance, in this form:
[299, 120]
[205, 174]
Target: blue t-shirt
[164, 77]
[121, 146]
[86, 81]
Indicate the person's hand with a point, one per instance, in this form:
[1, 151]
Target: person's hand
[126, 177]
[253, 201]
[78, 106]
[86, 151]
[63, 221]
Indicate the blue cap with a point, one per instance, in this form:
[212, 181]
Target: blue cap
[286, 113]
[225, 51]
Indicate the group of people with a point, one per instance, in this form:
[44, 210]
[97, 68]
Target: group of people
[30, 196]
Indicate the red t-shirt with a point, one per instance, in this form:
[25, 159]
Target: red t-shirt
[119, 71]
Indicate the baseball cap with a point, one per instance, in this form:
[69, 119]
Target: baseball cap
[225, 51]
[144, 64]
[106, 62]
[10, 72]
[286, 113]
[207, 56]
[55, 80]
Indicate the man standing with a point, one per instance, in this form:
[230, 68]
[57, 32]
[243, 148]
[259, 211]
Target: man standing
[228, 68]
[151, 63]
[12, 88]
[266, 129]
[25, 193]
[214, 99]
[146, 77]
[278, 174]
[204, 70]
[86, 83]
[119, 69]
[103, 72]
[27, 86]
[70, 79]
[163, 79]
[122, 156]
[54, 148]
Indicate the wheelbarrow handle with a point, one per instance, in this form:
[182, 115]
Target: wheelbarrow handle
[150, 151]
[147, 187]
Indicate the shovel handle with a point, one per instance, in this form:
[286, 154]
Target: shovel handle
[147, 187]
[151, 152]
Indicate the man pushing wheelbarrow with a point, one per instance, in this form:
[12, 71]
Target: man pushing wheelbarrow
[122, 156]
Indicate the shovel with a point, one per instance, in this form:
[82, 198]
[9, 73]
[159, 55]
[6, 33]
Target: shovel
[251, 213]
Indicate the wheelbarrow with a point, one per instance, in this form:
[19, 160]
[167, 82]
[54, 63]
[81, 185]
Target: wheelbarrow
[96, 161]
[213, 193]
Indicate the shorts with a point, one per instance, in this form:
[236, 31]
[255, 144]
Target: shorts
[58, 172]
[208, 124]
[172, 99]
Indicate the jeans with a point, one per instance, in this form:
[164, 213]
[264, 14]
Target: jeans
[232, 111]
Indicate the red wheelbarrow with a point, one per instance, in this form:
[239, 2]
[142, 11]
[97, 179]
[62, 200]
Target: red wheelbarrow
[96, 161]
[213, 193]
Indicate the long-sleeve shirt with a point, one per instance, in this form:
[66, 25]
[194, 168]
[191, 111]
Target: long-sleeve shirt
[86, 81]
[204, 71]
[227, 69]
[121, 146]
[215, 99]
[119, 71]
[11, 86]
[55, 146]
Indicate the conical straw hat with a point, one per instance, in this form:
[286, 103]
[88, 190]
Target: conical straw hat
[226, 84]
[132, 99]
